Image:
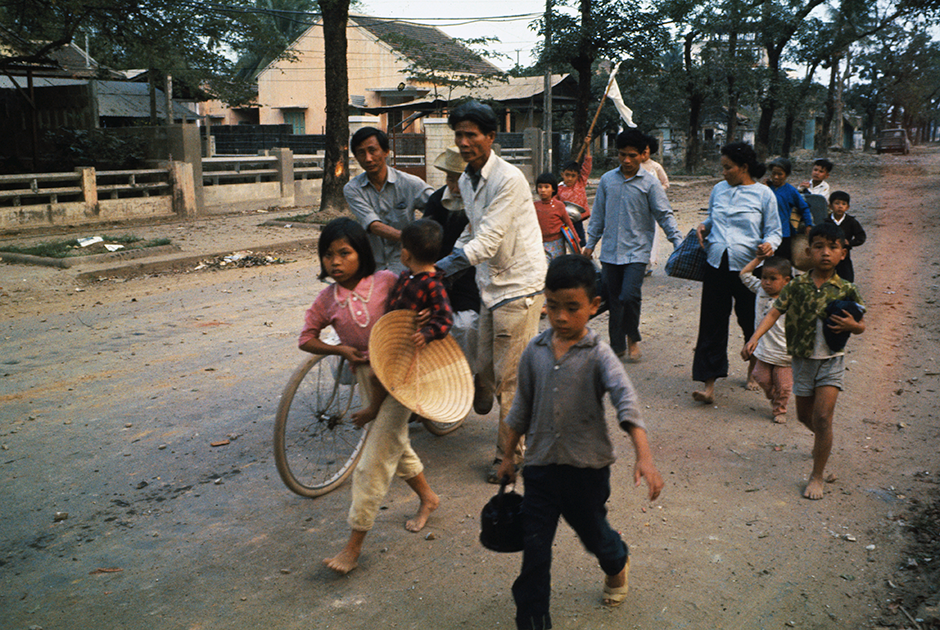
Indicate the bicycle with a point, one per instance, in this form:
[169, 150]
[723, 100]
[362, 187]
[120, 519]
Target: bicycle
[316, 445]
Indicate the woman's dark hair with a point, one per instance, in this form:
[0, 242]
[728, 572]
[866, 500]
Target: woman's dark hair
[572, 271]
[782, 163]
[743, 154]
[479, 114]
[364, 134]
[654, 144]
[547, 178]
[355, 235]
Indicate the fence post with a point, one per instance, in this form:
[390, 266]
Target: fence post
[89, 184]
[285, 173]
[184, 189]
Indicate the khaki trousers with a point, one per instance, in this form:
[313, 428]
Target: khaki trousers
[387, 452]
[504, 334]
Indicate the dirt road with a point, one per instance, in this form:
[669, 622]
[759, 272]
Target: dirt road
[110, 399]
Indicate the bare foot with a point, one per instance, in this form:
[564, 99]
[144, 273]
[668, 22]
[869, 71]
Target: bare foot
[781, 418]
[703, 397]
[420, 519]
[752, 386]
[634, 354]
[814, 489]
[343, 562]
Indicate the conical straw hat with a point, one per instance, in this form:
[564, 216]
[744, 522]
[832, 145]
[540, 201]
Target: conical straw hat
[434, 382]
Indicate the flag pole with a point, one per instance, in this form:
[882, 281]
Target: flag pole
[613, 75]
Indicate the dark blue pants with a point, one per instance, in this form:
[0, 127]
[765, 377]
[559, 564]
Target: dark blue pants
[580, 495]
[625, 283]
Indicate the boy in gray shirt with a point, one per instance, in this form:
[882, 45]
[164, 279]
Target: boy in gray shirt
[563, 375]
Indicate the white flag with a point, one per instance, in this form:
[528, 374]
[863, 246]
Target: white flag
[613, 93]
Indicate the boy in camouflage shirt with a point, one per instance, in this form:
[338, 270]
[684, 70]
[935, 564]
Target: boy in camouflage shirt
[817, 369]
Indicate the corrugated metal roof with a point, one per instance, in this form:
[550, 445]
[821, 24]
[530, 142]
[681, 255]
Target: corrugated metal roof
[124, 99]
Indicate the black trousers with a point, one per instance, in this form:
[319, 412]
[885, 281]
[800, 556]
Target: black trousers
[721, 289]
[580, 496]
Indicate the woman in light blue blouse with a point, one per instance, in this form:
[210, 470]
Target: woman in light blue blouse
[742, 221]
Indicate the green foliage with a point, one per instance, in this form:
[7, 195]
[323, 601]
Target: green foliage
[98, 148]
[194, 42]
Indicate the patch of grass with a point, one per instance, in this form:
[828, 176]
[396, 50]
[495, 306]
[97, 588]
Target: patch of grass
[70, 247]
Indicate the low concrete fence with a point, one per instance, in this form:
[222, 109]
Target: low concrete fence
[229, 184]
[87, 196]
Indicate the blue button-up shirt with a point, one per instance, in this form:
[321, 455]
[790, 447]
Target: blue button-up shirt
[625, 213]
[739, 219]
[394, 205]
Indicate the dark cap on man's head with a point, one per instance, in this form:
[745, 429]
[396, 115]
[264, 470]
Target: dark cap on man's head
[476, 112]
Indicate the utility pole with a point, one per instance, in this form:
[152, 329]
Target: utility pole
[547, 97]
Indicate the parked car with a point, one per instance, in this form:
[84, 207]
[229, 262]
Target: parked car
[893, 141]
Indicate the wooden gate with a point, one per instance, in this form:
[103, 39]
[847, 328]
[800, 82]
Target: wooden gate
[408, 151]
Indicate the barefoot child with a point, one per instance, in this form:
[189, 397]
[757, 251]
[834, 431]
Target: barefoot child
[552, 216]
[817, 370]
[771, 362]
[559, 407]
[352, 305]
[420, 287]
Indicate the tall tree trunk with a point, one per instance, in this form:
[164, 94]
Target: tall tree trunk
[732, 92]
[823, 138]
[582, 65]
[693, 150]
[336, 165]
[788, 133]
[768, 104]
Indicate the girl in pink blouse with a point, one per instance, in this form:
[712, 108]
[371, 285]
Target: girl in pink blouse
[351, 305]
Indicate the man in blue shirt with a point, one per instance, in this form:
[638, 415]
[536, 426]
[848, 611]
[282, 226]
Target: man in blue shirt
[628, 204]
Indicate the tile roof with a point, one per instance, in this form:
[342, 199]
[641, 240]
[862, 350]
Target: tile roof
[424, 43]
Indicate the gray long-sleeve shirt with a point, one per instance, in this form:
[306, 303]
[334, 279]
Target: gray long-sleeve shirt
[559, 404]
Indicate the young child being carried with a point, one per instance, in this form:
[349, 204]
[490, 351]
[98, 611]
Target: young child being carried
[817, 185]
[351, 305]
[559, 407]
[552, 216]
[818, 369]
[420, 287]
[854, 233]
[574, 186]
[771, 362]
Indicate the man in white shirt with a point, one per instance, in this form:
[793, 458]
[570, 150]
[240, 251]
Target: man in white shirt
[503, 241]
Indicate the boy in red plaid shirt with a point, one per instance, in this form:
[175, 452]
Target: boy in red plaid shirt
[419, 288]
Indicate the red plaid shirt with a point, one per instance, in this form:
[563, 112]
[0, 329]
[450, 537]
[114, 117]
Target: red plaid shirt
[420, 291]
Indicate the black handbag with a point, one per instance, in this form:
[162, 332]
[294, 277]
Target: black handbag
[501, 522]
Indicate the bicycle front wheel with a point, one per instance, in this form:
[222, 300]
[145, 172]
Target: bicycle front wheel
[316, 446]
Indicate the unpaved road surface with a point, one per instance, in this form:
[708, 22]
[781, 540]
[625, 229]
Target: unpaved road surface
[110, 399]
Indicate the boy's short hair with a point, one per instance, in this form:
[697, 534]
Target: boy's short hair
[547, 178]
[355, 235]
[780, 265]
[364, 134]
[840, 195]
[571, 166]
[572, 271]
[829, 231]
[632, 138]
[653, 144]
[476, 112]
[823, 162]
[781, 163]
[423, 239]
